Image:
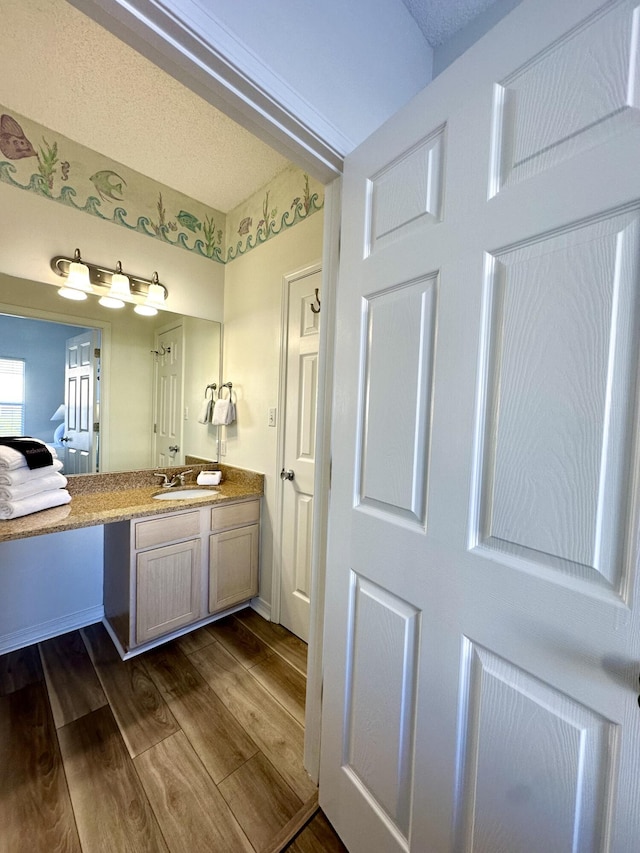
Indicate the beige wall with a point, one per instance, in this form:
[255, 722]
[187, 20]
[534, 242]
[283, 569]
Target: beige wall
[251, 359]
[35, 229]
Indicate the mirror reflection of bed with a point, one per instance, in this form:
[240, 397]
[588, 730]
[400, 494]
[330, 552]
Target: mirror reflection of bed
[42, 346]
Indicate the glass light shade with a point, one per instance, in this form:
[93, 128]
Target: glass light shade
[72, 293]
[110, 302]
[155, 294]
[155, 297]
[118, 292]
[119, 285]
[146, 310]
[78, 278]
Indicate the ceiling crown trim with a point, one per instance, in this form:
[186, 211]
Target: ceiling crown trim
[273, 111]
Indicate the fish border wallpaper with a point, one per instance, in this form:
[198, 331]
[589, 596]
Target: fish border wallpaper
[290, 198]
[76, 176]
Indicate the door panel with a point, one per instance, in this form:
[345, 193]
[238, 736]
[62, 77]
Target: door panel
[519, 733]
[407, 193]
[396, 409]
[541, 117]
[562, 316]
[381, 698]
[482, 645]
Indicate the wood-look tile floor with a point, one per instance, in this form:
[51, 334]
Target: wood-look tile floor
[193, 746]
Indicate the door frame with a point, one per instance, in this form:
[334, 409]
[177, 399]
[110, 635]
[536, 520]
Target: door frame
[322, 477]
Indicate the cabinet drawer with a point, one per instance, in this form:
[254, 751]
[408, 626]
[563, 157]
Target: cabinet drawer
[166, 529]
[235, 515]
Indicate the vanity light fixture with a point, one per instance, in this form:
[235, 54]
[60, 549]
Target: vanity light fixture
[112, 286]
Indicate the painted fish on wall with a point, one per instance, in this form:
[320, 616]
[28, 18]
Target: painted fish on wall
[13, 143]
[245, 226]
[106, 187]
[188, 220]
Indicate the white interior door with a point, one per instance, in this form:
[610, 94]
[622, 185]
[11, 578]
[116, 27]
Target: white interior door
[303, 335]
[82, 356]
[482, 649]
[169, 397]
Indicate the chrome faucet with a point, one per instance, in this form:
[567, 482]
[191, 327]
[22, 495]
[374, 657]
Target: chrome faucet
[177, 478]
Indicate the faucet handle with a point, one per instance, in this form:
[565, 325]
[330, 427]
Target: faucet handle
[183, 474]
[165, 479]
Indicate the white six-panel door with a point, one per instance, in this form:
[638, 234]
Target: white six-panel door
[81, 376]
[299, 455]
[482, 648]
[168, 393]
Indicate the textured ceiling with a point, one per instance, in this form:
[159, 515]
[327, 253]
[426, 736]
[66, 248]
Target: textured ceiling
[440, 19]
[61, 69]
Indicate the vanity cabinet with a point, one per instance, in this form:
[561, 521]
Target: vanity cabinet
[233, 554]
[178, 569]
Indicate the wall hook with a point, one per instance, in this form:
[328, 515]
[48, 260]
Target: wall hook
[313, 308]
[163, 351]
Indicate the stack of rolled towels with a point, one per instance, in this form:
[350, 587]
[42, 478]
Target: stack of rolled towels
[30, 478]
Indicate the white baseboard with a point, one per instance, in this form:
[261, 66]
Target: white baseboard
[262, 608]
[53, 628]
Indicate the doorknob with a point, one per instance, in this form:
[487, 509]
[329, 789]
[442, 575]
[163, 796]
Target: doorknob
[65, 439]
[287, 475]
[174, 448]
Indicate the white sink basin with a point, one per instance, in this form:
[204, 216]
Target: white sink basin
[185, 494]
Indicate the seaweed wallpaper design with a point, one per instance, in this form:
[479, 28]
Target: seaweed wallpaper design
[68, 173]
[288, 199]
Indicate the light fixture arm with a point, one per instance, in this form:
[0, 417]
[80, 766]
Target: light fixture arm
[100, 276]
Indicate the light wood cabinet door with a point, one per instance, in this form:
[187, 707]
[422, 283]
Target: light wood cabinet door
[168, 589]
[233, 566]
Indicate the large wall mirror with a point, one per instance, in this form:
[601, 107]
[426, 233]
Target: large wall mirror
[150, 377]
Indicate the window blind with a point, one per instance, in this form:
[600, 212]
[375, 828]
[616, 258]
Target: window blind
[12, 396]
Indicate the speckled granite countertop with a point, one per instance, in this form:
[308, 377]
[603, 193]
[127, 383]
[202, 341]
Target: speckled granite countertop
[104, 498]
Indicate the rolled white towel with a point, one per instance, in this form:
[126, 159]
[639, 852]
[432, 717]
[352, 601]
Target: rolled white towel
[18, 476]
[11, 459]
[34, 503]
[34, 486]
